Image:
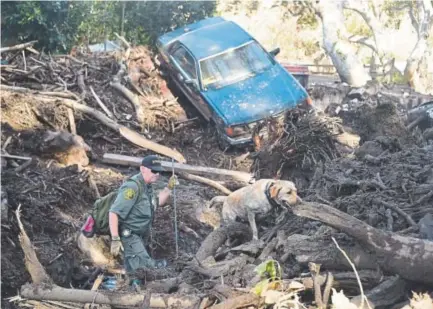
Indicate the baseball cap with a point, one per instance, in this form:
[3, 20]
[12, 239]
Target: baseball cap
[151, 162]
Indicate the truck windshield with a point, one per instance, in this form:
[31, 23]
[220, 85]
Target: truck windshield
[234, 65]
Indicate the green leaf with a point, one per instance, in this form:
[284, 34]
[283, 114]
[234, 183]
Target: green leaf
[270, 269]
[260, 287]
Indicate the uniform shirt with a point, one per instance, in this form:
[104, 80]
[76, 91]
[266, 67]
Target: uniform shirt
[135, 210]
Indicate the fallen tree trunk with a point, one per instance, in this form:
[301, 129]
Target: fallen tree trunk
[215, 239]
[311, 249]
[243, 177]
[56, 293]
[409, 257]
[385, 294]
[346, 280]
[17, 47]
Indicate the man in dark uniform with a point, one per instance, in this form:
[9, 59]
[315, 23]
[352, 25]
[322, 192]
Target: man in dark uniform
[131, 216]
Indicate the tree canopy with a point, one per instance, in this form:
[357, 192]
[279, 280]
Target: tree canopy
[58, 25]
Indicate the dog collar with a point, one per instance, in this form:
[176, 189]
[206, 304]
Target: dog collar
[268, 195]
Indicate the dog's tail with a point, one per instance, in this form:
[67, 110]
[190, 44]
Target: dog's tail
[217, 202]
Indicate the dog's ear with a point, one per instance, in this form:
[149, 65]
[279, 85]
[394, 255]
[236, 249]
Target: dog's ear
[274, 190]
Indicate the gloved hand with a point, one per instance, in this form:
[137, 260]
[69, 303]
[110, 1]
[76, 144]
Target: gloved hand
[172, 182]
[116, 247]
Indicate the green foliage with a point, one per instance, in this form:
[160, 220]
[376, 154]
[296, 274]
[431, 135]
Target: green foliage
[308, 20]
[58, 25]
[356, 25]
[46, 21]
[270, 272]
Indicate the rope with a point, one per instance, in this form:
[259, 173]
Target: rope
[175, 214]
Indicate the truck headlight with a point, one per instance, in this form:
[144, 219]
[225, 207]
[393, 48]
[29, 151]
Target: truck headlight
[236, 130]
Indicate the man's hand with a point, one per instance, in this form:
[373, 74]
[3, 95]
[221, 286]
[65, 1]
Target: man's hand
[172, 182]
[116, 247]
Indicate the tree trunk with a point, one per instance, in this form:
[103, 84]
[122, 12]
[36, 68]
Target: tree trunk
[56, 293]
[409, 257]
[311, 249]
[215, 239]
[349, 67]
[412, 70]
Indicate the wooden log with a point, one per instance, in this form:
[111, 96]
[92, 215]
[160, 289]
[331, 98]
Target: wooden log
[71, 118]
[65, 95]
[243, 177]
[346, 280]
[385, 294]
[17, 47]
[220, 268]
[101, 104]
[56, 293]
[409, 257]
[141, 141]
[206, 181]
[215, 239]
[131, 97]
[312, 249]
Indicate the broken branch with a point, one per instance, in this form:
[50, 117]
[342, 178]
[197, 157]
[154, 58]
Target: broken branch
[56, 293]
[101, 104]
[206, 181]
[17, 47]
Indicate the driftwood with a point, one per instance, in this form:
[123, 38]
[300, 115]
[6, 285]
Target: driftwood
[101, 104]
[311, 249]
[243, 177]
[65, 94]
[131, 97]
[408, 257]
[215, 239]
[346, 280]
[141, 141]
[385, 294]
[71, 118]
[220, 268]
[206, 181]
[56, 293]
[17, 47]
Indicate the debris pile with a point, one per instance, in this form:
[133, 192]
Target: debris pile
[301, 143]
[122, 83]
[387, 187]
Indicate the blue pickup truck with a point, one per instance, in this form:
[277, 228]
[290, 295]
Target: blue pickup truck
[229, 77]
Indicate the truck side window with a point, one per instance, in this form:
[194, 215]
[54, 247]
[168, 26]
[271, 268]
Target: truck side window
[185, 61]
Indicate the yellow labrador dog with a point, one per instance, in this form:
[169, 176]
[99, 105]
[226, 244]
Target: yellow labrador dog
[256, 199]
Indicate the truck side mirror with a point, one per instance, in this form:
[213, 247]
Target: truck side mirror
[275, 51]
